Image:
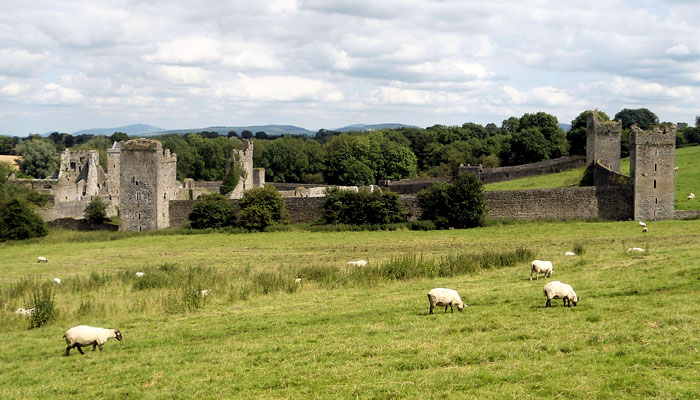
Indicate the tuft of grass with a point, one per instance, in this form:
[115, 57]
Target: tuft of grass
[44, 305]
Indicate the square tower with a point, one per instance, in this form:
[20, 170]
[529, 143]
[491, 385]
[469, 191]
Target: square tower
[147, 184]
[603, 142]
[652, 163]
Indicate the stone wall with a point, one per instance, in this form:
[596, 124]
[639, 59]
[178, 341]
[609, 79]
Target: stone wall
[500, 174]
[65, 209]
[604, 176]
[614, 202]
[408, 186]
[652, 165]
[603, 142]
[686, 214]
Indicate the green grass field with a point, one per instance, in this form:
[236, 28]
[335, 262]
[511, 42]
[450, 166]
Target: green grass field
[633, 335]
[687, 178]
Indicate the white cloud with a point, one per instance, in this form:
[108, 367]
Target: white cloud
[678, 50]
[277, 89]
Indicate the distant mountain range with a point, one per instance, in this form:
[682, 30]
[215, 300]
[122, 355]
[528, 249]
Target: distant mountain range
[274, 130]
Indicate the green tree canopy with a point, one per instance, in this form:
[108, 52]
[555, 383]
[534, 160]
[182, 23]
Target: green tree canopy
[261, 207]
[19, 222]
[459, 204]
[39, 158]
[96, 211]
[524, 147]
[578, 134]
[212, 210]
[644, 118]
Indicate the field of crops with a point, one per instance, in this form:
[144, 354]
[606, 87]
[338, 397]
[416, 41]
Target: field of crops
[344, 333]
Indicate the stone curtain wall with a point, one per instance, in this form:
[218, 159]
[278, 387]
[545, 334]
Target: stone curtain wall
[301, 209]
[408, 186]
[500, 174]
[604, 176]
[613, 202]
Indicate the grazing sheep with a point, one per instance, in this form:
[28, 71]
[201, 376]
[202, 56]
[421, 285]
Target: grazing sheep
[569, 253]
[298, 280]
[645, 230]
[83, 335]
[205, 292]
[642, 223]
[636, 249]
[140, 274]
[22, 311]
[691, 196]
[558, 290]
[41, 259]
[358, 263]
[445, 297]
[675, 169]
[57, 280]
[544, 267]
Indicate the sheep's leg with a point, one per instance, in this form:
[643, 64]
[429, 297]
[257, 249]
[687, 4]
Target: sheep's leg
[530, 276]
[79, 349]
[100, 346]
[549, 303]
[68, 350]
[431, 309]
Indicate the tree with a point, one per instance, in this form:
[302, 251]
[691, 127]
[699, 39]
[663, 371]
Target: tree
[19, 222]
[363, 207]
[578, 134]
[246, 134]
[524, 147]
[6, 145]
[233, 134]
[459, 204]
[232, 177]
[39, 158]
[96, 211]
[261, 207]
[119, 137]
[549, 127]
[212, 210]
[644, 118]
[261, 135]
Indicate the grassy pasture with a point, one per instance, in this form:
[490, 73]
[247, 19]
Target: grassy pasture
[686, 178]
[633, 335]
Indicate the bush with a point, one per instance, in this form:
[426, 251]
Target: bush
[459, 204]
[96, 211]
[261, 207]
[19, 222]
[212, 210]
[362, 208]
[43, 302]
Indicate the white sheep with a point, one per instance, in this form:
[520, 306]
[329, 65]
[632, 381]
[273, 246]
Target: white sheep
[445, 297]
[298, 280]
[636, 249]
[57, 280]
[645, 230]
[83, 335]
[205, 292]
[539, 266]
[41, 259]
[22, 311]
[691, 196]
[642, 223]
[675, 169]
[140, 274]
[559, 290]
[358, 263]
[569, 253]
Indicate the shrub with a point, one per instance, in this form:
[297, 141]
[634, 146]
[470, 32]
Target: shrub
[212, 210]
[18, 221]
[44, 307]
[96, 211]
[459, 204]
[261, 207]
[362, 208]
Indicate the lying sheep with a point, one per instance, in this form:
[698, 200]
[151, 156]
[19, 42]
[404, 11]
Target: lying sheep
[636, 249]
[83, 335]
[57, 280]
[539, 266]
[569, 253]
[558, 290]
[691, 196]
[140, 274]
[205, 292]
[41, 259]
[22, 311]
[358, 263]
[645, 230]
[445, 297]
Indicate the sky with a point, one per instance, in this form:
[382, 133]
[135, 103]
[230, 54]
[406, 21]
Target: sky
[77, 64]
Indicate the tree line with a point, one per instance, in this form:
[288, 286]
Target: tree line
[356, 158]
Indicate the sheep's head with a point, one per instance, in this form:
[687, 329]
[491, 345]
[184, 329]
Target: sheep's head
[118, 334]
[460, 307]
[576, 300]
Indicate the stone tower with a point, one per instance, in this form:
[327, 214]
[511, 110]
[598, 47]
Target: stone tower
[603, 142]
[113, 172]
[652, 163]
[147, 184]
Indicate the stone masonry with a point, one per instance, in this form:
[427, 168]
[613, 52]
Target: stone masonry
[652, 163]
[603, 142]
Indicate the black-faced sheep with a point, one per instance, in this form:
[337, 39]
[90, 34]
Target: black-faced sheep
[83, 335]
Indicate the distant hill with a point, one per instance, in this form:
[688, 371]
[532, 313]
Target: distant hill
[374, 127]
[131, 130]
[274, 130]
[565, 127]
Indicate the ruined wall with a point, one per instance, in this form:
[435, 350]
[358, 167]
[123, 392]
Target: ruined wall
[408, 186]
[603, 142]
[686, 214]
[500, 174]
[561, 203]
[603, 176]
[67, 209]
[652, 163]
[113, 171]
